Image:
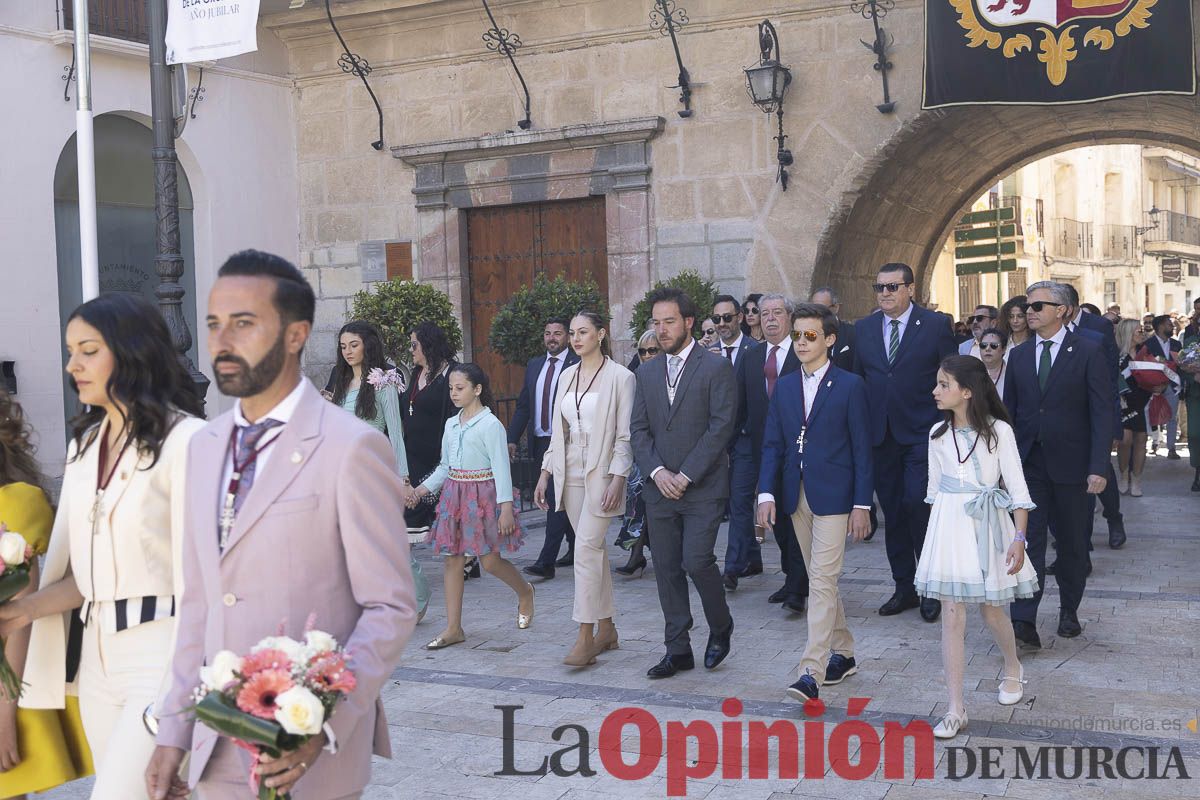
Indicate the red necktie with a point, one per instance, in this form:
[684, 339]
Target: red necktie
[546, 390]
[771, 370]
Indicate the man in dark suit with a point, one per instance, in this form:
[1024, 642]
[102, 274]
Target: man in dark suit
[898, 352]
[1059, 393]
[743, 556]
[842, 354]
[759, 372]
[683, 418]
[818, 449]
[1163, 345]
[533, 417]
[1103, 333]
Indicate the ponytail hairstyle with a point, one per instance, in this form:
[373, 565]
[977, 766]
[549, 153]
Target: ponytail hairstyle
[984, 407]
[477, 377]
[599, 324]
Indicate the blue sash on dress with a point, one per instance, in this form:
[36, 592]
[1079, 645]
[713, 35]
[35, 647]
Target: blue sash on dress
[985, 508]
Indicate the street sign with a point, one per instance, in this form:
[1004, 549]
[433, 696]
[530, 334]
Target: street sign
[1172, 270]
[983, 239]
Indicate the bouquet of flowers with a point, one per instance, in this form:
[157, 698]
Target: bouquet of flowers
[275, 698]
[15, 556]
[1155, 374]
[1189, 358]
[392, 377]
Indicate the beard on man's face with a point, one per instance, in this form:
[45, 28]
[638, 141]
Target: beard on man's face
[251, 380]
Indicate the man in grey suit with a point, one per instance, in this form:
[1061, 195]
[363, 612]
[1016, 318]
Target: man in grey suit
[683, 419]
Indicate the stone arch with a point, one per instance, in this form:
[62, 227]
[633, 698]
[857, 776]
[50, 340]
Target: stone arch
[905, 200]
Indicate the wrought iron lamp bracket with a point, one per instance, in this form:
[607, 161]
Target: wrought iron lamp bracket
[353, 64]
[197, 94]
[506, 43]
[666, 17]
[68, 76]
[876, 10]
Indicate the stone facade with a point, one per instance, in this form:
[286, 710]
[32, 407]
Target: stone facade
[866, 187]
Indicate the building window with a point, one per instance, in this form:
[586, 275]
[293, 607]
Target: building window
[1193, 269]
[1110, 293]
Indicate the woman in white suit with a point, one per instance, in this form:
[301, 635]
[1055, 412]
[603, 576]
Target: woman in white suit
[103, 617]
[590, 458]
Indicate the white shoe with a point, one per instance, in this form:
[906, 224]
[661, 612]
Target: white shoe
[1012, 698]
[949, 726]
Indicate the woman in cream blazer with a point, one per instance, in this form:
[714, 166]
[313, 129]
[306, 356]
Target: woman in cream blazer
[104, 614]
[590, 457]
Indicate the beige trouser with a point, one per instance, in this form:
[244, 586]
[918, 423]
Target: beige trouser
[823, 543]
[593, 580]
[226, 774]
[119, 675]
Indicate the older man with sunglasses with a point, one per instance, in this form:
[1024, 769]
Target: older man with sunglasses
[982, 321]
[898, 354]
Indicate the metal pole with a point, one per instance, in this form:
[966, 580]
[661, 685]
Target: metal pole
[85, 155]
[168, 260]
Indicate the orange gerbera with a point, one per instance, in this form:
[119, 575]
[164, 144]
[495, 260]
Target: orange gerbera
[258, 695]
[264, 660]
[330, 673]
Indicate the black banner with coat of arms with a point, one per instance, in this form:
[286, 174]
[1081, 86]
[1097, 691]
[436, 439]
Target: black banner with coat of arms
[1056, 51]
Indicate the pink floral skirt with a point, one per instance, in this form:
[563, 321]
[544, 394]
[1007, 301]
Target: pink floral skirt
[467, 522]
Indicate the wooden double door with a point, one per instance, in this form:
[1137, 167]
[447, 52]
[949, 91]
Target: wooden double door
[511, 247]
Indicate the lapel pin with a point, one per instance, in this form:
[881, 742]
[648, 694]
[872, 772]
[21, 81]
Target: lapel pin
[828, 384]
[918, 322]
[1070, 349]
[296, 457]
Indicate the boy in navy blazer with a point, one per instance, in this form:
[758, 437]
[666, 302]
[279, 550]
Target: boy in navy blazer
[817, 447]
[898, 353]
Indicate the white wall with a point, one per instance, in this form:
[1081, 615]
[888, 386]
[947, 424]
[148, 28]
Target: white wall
[239, 155]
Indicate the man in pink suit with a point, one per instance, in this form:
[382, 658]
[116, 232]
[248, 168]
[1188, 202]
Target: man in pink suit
[312, 522]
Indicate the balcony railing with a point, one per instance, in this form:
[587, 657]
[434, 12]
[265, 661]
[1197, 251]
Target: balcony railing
[118, 19]
[1117, 242]
[1175, 227]
[1072, 239]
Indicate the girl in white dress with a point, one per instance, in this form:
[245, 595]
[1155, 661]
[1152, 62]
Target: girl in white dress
[973, 553]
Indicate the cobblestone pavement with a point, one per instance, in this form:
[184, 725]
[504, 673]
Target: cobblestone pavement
[1129, 680]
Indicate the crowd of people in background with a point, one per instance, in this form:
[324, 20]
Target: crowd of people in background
[974, 444]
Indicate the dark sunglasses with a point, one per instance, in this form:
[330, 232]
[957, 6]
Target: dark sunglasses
[719, 318]
[750, 309]
[647, 351]
[979, 318]
[1038, 305]
[989, 346]
[808, 335]
[880, 288]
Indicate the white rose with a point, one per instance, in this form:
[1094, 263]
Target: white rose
[12, 548]
[286, 645]
[299, 712]
[220, 671]
[319, 642]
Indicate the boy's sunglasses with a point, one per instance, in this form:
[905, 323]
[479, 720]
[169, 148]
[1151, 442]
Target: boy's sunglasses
[810, 336]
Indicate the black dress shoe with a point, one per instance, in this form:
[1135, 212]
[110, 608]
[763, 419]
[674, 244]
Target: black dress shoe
[730, 583]
[794, 604]
[778, 597]
[566, 561]
[1116, 534]
[804, 689]
[931, 609]
[670, 665]
[900, 601]
[753, 569]
[539, 571]
[718, 648]
[1068, 624]
[840, 667]
[1027, 635]
[1196, 481]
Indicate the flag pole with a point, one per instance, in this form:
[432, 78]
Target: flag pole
[85, 154]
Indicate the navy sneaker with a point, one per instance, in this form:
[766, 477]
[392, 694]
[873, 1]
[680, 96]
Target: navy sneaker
[804, 689]
[840, 667]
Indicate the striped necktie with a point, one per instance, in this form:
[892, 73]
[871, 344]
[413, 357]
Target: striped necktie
[894, 341]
